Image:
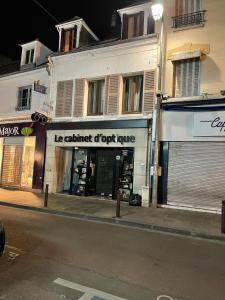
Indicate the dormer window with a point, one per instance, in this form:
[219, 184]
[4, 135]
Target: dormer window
[29, 56]
[133, 25]
[68, 39]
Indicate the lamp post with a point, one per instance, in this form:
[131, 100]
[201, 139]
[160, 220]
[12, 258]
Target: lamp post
[157, 13]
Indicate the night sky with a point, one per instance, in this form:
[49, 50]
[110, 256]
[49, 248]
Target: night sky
[24, 21]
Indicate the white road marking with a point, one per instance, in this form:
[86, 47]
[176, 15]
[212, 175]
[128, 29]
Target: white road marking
[165, 297]
[14, 248]
[89, 293]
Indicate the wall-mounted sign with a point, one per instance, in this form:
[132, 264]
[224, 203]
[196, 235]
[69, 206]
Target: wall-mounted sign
[16, 130]
[99, 138]
[39, 88]
[209, 124]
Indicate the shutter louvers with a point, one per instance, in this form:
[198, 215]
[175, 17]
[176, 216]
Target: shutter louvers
[113, 95]
[178, 83]
[141, 28]
[64, 98]
[125, 27]
[149, 91]
[79, 98]
[106, 94]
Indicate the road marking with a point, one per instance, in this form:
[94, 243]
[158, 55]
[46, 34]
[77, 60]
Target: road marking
[165, 297]
[89, 293]
[14, 248]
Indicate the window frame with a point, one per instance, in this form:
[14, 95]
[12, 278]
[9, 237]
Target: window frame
[20, 98]
[98, 98]
[72, 38]
[188, 81]
[30, 55]
[133, 93]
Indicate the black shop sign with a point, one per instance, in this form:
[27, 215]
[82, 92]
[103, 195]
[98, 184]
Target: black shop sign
[98, 138]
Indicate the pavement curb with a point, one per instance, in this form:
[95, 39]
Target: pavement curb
[116, 221]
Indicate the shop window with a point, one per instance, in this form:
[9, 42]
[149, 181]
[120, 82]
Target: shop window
[132, 98]
[24, 98]
[96, 96]
[186, 77]
[68, 39]
[29, 56]
[133, 25]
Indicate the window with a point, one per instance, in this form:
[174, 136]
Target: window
[29, 56]
[24, 98]
[96, 97]
[133, 25]
[132, 98]
[188, 12]
[68, 39]
[187, 77]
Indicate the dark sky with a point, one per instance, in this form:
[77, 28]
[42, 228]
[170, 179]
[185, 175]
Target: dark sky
[23, 21]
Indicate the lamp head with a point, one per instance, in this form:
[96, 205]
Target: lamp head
[157, 11]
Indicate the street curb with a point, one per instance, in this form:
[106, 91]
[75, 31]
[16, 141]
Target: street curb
[116, 221]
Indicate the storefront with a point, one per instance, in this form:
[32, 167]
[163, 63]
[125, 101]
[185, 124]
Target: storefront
[22, 148]
[193, 158]
[97, 158]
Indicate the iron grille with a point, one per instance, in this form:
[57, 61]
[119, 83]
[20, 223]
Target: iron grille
[190, 19]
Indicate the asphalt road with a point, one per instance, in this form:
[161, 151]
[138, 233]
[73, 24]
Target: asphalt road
[50, 257]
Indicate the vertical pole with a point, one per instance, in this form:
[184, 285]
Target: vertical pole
[46, 195]
[118, 205]
[72, 172]
[223, 217]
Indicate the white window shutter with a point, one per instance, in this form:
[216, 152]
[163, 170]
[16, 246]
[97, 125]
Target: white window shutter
[64, 98]
[105, 105]
[79, 98]
[149, 91]
[113, 95]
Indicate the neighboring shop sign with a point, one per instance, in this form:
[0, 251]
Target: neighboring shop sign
[39, 88]
[16, 130]
[209, 124]
[98, 138]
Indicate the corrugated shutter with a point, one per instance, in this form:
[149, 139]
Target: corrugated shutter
[113, 95]
[79, 98]
[64, 98]
[187, 77]
[12, 165]
[196, 174]
[149, 91]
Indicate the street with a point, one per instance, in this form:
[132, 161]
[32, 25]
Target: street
[52, 257]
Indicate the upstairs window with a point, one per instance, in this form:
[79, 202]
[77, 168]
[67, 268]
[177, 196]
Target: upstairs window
[188, 13]
[68, 39]
[132, 98]
[24, 98]
[133, 25]
[29, 56]
[96, 96]
[187, 77]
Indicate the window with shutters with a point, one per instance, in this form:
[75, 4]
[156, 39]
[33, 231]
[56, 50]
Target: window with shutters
[133, 25]
[29, 59]
[132, 96]
[96, 95]
[24, 98]
[188, 13]
[68, 39]
[187, 77]
[64, 98]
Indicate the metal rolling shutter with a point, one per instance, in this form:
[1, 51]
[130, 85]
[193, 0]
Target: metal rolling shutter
[12, 165]
[196, 174]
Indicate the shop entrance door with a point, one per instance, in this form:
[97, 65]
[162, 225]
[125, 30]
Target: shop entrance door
[105, 172]
[12, 165]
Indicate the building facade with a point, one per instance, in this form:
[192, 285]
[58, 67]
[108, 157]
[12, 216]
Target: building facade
[23, 91]
[100, 135]
[192, 112]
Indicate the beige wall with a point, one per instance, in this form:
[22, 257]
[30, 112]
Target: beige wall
[212, 33]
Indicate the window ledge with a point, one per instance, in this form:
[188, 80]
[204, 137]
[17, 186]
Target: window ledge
[188, 27]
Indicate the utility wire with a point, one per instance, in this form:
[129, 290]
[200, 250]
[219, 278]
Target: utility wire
[45, 10]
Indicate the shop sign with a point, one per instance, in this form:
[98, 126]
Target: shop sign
[209, 124]
[99, 138]
[18, 130]
[39, 88]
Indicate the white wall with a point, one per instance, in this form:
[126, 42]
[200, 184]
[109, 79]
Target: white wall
[187, 126]
[9, 91]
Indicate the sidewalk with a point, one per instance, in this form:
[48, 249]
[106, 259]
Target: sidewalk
[188, 223]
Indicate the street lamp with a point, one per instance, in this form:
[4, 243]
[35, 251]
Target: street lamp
[157, 13]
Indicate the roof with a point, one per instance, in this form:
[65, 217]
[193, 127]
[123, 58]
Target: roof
[136, 4]
[14, 68]
[70, 20]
